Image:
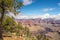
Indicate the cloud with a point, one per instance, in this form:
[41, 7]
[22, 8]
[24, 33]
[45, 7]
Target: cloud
[48, 9]
[19, 16]
[59, 14]
[58, 4]
[27, 2]
[51, 9]
[11, 14]
[46, 15]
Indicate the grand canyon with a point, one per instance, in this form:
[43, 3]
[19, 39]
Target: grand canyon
[47, 27]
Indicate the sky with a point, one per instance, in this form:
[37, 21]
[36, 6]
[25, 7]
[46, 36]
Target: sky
[38, 8]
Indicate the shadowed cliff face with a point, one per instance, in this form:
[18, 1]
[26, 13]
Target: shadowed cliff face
[46, 27]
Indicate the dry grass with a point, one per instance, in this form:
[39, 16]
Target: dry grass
[13, 38]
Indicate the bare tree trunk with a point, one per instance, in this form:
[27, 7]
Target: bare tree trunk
[1, 20]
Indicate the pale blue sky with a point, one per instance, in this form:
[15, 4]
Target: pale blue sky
[40, 7]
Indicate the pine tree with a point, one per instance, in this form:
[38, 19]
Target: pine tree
[8, 6]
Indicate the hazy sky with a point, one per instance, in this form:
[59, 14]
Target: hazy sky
[40, 7]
